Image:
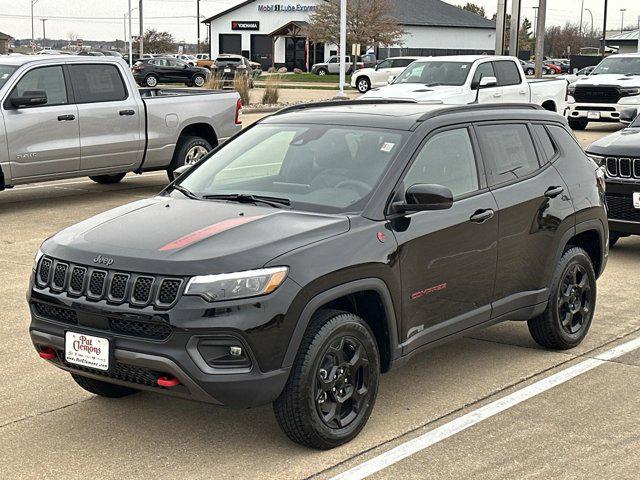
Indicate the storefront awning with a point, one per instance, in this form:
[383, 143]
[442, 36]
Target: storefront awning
[291, 29]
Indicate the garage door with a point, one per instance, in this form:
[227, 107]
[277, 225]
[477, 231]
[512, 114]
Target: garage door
[231, 43]
[261, 50]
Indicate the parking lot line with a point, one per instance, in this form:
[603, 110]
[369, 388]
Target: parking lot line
[474, 417]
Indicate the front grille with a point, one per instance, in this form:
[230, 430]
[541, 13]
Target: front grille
[599, 94]
[135, 328]
[59, 314]
[623, 167]
[620, 207]
[112, 286]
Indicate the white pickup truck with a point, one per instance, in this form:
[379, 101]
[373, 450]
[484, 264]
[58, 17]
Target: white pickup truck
[69, 116]
[611, 88]
[472, 78]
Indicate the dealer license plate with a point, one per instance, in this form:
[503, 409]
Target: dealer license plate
[636, 200]
[227, 70]
[87, 350]
[593, 115]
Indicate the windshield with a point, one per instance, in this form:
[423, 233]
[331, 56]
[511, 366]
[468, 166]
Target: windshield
[5, 72]
[435, 73]
[320, 168]
[618, 66]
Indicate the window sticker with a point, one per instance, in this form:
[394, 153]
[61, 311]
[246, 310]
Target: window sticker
[387, 147]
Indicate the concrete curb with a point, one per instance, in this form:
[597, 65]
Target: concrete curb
[248, 110]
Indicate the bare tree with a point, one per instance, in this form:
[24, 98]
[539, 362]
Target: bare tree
[369, 22]
[473, 8]
[158, 42]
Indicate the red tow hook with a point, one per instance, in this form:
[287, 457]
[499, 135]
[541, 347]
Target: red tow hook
[168, 382]
[47, 353]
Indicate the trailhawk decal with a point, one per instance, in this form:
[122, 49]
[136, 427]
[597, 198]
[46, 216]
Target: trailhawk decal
[207, 232]
[427, 291]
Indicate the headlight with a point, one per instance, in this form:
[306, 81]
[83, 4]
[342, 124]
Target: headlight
[227, 286]
[596, 158]
[630, 91]
[39, 255]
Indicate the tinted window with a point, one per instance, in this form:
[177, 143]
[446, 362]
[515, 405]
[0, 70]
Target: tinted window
[435, 73]
[446, 159]
[401, 62]
[483, 70]
[566, 141]
[508, 73]
[385, 64]
[508, 151]
[548, 148]
[49, 79]
[97, 83]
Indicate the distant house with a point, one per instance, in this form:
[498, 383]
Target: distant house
[4, 43]
[625, 42]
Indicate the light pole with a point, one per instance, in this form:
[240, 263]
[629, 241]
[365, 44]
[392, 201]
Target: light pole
[343, 45]
[130, 39]
[44, 33]
[622, 10]
[535, 20]
[141, 29]
[33, 33]
[198, 22]
[581, 13]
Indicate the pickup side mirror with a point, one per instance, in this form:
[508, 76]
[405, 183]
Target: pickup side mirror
[29, 98]
[178, 172]
[391, 78]
[485, 82]
[424, 196]
[628, 115]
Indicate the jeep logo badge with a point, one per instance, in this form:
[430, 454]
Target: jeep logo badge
[103, 260]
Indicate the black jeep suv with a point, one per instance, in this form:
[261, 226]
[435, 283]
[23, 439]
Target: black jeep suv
[322, 246]
[619, 154]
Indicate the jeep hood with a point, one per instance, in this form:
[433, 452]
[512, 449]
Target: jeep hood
[624, 143]
[166, 235]
[416, 91]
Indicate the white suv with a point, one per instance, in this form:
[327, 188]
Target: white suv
[378, 76]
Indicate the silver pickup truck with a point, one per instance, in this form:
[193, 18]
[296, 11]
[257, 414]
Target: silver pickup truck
[76, 116]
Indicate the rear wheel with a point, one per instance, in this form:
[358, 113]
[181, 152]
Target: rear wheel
[572, 302]
[198, 80]
[530, 71]
[108, 179]
[578, 123]
[333, 383]
[151, 80]
[189, 151]
[101, 388]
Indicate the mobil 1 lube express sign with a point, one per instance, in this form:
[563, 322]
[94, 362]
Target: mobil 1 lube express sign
[285, 7]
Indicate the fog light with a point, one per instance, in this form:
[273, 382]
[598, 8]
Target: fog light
[224, 351]
[235, 351]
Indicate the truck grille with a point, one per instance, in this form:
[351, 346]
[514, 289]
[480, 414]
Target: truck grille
[600, 94]
[112, 286]
[623, 167]
[620, 207]
[60, 314]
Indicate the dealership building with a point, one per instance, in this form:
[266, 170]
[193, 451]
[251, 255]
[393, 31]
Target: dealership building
[273, 33]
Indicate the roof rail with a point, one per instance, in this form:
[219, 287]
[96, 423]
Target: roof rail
[332, 103]
[479, 106]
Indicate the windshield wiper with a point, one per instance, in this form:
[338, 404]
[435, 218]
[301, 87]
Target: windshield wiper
[275, 202]
[186, 192]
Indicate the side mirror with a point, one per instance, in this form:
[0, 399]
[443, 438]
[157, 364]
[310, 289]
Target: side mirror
[391, 78]
[628, 115]
[423, 196]
[29, 98]
[178, 172]
[487, 82]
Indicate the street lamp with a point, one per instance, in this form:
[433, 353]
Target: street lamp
[622, 10]
[343, 45]
[535, 19]
[591, 15]
[33, 33]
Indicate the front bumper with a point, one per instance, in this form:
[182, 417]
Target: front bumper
[607, 112]
[623, 216]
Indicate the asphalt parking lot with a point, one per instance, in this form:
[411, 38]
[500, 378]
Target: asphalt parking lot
[440, 407]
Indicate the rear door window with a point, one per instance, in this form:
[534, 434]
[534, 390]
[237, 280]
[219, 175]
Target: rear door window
[507, 72]
[96, 82]
[507, 151]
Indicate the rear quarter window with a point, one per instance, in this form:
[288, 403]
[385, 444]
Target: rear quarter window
[547, 146]
[94, 83]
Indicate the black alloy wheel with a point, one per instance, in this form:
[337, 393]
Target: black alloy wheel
[575, 299]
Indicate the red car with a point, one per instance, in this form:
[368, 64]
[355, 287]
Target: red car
[555, 69]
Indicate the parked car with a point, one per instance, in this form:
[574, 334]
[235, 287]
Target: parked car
[366, 78]
[472, 78]
[561, 63]
[332, 65]
[612, 86]
[93, 121]
[368, 60]
[321, 247]
[168, 70]
[619, 154]
[229, 66]
[90, 53]
[111, 53]
[189, 59]
[553, 68]
[202, 56]
[530, 68]
[574, 77]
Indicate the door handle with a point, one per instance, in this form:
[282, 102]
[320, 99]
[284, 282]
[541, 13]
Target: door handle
[497, 94]
[66, 118]
[481, 216]
[127, 112]
[522, 92]
[553, 192]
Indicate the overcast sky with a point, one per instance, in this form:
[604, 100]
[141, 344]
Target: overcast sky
[100, 20]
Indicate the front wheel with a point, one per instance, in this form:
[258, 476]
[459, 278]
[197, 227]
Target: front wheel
[530, 71]
[189, 151]
[578, 123]
[108, 179]
[363, 84]
[198, 80]
[572, 302]
[104, 389]
[333, 383]
[322, 72]
[151, 81]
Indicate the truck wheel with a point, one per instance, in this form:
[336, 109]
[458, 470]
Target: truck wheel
[108, 179]
[363, 84]
[189, 151]
[578, 123]
[151, 80]
[572, 301]
[333, 383]
[322, 72]
[198, 80]
[103, 389]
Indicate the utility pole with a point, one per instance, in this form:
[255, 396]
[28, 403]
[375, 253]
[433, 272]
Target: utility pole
[343, 46]
[501, 15]
[535, 21]
[33, 33]
[130, 39]
[542, 13]
[198, 22]
[514, 36]
[622, 10]
[141, 29]
[604, 27]
[44, 33]
[581, 13]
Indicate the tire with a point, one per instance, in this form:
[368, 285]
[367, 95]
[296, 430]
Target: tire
[572, 301]
[322, 72]
[151, 81]
[186, 146]
[305, 410]
[578, 123]
[108, 179]
[101, 388]
[199, 80]
[530, 71]
[363, 84]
